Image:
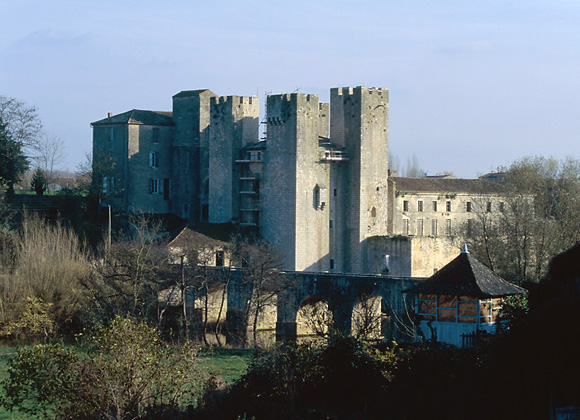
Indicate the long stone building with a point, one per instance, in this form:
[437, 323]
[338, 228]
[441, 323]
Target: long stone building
[316, 186]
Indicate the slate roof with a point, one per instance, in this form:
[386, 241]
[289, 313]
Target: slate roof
[138, 116]
[188, 93]
[446, 185]
[466, 276]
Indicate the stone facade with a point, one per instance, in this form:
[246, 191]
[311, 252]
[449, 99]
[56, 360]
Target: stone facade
[316, 186]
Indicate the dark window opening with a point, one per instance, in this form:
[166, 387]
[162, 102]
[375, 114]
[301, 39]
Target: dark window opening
[219, 259]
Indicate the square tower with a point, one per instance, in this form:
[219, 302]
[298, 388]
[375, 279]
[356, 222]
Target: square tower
[359, 123]
[234, 125]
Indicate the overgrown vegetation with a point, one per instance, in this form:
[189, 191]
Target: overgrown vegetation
[540, 218]
[124, 371]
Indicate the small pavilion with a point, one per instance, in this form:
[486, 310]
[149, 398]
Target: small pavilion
[459, 301]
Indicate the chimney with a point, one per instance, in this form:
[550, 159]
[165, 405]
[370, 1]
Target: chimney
[110, 114]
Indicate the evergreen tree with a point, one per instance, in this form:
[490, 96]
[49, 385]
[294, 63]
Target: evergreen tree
[39, 181]
[13, 162]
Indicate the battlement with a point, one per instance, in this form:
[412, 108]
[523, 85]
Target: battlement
[359, 90]
[234, 99]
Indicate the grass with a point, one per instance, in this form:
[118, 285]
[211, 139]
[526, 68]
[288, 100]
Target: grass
[229, 364]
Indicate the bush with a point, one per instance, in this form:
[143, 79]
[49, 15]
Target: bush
[123, 372]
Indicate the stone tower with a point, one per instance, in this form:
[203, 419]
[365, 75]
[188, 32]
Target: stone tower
[359, 124]
[295, 211]
[234, 125]
[190, 161]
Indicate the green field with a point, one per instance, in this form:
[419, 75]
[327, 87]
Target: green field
[229, 364]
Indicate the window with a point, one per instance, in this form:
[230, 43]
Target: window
[155, 135]
[448, 227]
[330, 224]
[434, 205]
[373, 212]
[405, 226]
[219, 259]
[468, 207]
[448, 206]
[434, 227]
[154, 159]
[111, 134]
[470, 227]
[331, 264]
[489, 206]
[105, 185]
[154, 186]
[420, 227]
[335, 192]
[420, 205]
[405, 205]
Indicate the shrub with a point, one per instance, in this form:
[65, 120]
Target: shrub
[122, 372]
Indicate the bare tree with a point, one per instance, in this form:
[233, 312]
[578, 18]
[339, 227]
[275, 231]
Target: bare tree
[22, 122]
[49, 155]
[413, 170]
[262, 274]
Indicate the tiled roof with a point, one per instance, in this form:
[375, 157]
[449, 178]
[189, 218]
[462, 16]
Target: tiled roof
[188, 93]
[466, 276]
[189, 237]
[446, 185]
[138, 116]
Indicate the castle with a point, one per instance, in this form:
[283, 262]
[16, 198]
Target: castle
[316, 186]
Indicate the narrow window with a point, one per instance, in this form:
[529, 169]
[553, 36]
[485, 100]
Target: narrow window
[469, 207]
[470, 227]
[405, 226]
[405, 205]
[154, 186]
[330, 224]
[489, 206]
[434, 227]
[154, 159]
[373, 212]
[448, 206]
[448, 227]
[205, 212]
[105, 185]
[155, 135]
[331, 264]
[420, 205]
[434, 205]
[335, 192]
[420, 227]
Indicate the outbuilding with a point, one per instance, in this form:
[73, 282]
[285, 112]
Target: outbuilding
[459, 301]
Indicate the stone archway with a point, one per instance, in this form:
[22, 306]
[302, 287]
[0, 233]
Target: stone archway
[314, 317]
[371, 318]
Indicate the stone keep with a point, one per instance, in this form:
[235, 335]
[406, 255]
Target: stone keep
[315, 187]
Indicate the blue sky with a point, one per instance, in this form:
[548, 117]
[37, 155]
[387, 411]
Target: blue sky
[473, 84]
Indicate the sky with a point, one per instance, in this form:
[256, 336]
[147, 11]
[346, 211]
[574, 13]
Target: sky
[473, 85]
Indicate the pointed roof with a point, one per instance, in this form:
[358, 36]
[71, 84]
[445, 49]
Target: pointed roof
[466, 276]
[138, 116]
[189, 237]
